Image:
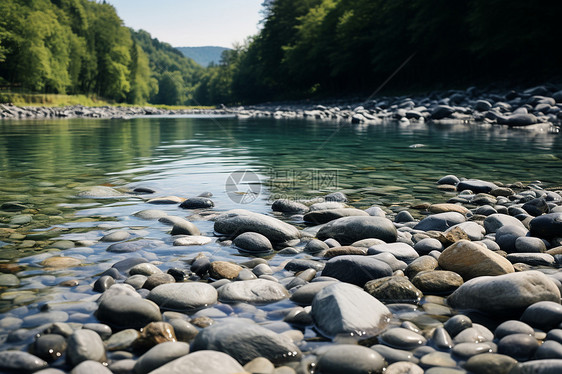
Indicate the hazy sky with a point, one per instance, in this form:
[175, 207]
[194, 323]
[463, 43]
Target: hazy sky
[188, 23]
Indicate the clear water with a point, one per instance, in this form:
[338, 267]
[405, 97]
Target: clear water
[43, 164]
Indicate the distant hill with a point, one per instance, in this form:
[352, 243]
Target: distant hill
[203, 55]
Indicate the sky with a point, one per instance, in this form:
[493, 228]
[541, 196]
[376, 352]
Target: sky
[192, 23]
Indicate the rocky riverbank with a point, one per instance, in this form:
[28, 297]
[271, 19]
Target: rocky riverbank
[537, 108]
[469, 285]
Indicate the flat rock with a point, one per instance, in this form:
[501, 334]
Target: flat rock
[472, 260]
[202, 362]
[357, 270]
[324, 216]
[59, 262]
[448, 207]
[547, 226]
[245, 340]
[505, 293]
[123, 311]
[18, 361]
[401, 251]
[239, 220]
[166, 200]
[347, 230]
[116, 236]
[346, 309]
[394, 289]
[476, 186]
[352, 359]
[160, 355]
[259, 291]
[184, 297]
[440, 221]
[402, 338]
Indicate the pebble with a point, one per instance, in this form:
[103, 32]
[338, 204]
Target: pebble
[206, 361]
[85, 345]
[401, 338]
[261, 291]
[465, 351]
[544, 315]
[123, 311]
[183, 297]
[513, 327]
[401, 251]
[522, 347]
[440, 221]
[437, 281]
[224, 270]
[90, 367]
[116, 236]
[253, 242]
[357, 270]
[394, 289]
[184, 227]
[49, 347]
[347, 230]
[490, 363]
[16, 361]
[345, 358]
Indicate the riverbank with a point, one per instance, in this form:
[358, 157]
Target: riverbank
[538, 107]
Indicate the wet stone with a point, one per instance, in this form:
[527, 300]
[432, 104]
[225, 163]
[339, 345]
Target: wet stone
[206, 361]
[466, 350]
[155, 333]
[305, 294]
[437, 281]
[16, 361]
[122, 340]
[104, 331]
[145, 269]
[401, 251]
[183, 296]
[103, 283]
[224, 270]
[392, 355]
[259, 291]
[160, 355]
[513, 327]
[84, 345]
[253, 242]
[401, 338]
[519, 346]
[357, 270]
[403, 368]
[345, 358]
[123, 311]
[49, 347]
[437, 359]
[490, 363]
[393, 289]
[116, 236]
[425, 246]
[155, 280]
[543, 315]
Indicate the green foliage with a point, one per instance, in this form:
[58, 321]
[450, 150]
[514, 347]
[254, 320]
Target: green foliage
[82, 46]
[335, 47]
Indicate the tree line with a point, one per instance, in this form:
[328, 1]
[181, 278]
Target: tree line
[315, 48]
[82, 47]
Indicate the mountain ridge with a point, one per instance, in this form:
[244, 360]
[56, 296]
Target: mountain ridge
[203, 55]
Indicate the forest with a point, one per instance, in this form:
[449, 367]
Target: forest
[305, 49]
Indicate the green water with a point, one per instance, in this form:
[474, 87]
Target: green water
[44, 163]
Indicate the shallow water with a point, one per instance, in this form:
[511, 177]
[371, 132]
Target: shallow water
[44, 164]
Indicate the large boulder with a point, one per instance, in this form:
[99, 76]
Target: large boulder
[347, 230]
[237, 221]
[509, 293]
[245, 340]
[344, 309]
[472, 260]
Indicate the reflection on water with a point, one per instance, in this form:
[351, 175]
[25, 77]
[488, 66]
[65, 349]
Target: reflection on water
[43, 162]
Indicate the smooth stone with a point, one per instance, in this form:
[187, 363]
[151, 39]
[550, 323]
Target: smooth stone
[344, 251]
[259, 365]
[44, 318]
[342, 308]
[160, 355]
[441, 338]
[191, 240]
[9, 280]
[133, 246]
[224, 270]
[404, 216]
[476, 186]
[17, 361]
[403, 368]
[529, 244]
[184, 227]
[548, 366]
[122, 340]
[505, 293]
[544, 315]
[533, 259]
[389, 259]
[99, 192]
[137, 281]
[401, 251]
[507, 235]
[440, 221]
[521, 347]
[392, 355]
[437, 359]
[145, 269]
[245, 340]
[347, 230]
[85, 345]
[513, 327]
[323, 216]
[327, 205]
[116, 236]
[300, 264]
[437, 281]
[197, 203]
[475, 334]
[150, 214]
[549, 349]
[423, 263]
[401, 338]
[547, 226]
[555, 334]
[425, 246]
[49, 347]
[536, 207]
[490, 363]
[253, 242]
[183, 297]
[357, 270]
[472, 260]
[157, 279]
[315, 246]
[260, 291]
[449, 179]
[122, 366]
[90, 367]
[103, 283]
[59, 262]
[352, 359]
[166, 200]
[264, 269]
[288, 206]
[185, 331]
[239, 220]
[123, 311]
[494, 221]
[202, 362]
[305, 294]
[125, 265]
[245, 274]
[467, 350]
[448, 207]
[375, 211]
[473, 230]
[394, 289]
[366, 243]
[336, 196]
[104, 331]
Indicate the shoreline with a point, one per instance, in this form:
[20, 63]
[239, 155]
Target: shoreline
[538, 107]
